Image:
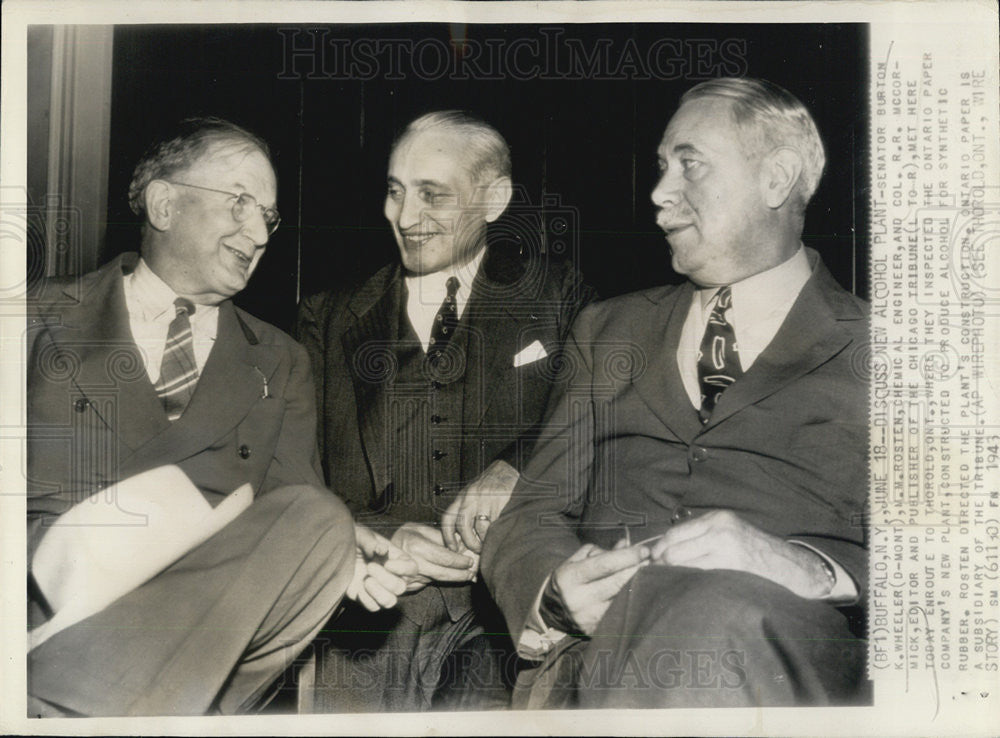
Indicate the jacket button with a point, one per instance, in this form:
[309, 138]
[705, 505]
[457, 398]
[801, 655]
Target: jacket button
[81, 405]
[437, 455]
[436, 384]
[698, 453]
[438, 489]
[680, 514]
[436, 419]
[244, 451]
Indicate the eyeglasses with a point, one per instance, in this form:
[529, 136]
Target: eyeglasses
[244, 206]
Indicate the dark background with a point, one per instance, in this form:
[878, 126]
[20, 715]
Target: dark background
[585, 142]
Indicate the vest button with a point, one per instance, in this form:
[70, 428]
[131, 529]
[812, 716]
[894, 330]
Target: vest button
[81, 405]
[438, 489]
[698, 453]
[438, 455]
[680, 514]
[244, 451]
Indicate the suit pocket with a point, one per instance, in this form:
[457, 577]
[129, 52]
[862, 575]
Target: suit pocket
[832, 435]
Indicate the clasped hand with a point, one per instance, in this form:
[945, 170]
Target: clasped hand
[424, 545]
[722, 540]
[465, 522]
[380, 570]
[592, 577]
[419, 554]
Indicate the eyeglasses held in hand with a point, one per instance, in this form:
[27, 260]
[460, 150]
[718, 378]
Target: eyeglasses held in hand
[243, 206]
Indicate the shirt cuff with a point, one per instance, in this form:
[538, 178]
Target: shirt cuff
[845, 591]
[537, 638]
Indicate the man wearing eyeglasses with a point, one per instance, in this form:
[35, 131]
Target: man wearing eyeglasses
[151, 399]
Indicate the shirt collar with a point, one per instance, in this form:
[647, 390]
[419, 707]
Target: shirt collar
[429, 290]
[153, 297]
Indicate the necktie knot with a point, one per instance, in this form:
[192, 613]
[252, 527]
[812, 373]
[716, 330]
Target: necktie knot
[724, 299]
[183, 306]
[452, 287]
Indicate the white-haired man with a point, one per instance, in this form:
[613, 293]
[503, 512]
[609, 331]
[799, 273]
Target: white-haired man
[431, 376]
[691, 517]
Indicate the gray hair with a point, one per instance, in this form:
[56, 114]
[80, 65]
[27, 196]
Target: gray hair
[489, 152]
[191, 139]
[769, 116]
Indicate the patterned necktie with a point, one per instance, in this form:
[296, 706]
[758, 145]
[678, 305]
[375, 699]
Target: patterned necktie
[178, 372]
[718, 360]
[444, 322]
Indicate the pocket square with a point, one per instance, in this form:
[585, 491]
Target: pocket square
[532, 352]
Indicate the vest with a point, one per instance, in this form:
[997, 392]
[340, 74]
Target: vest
[424, 416]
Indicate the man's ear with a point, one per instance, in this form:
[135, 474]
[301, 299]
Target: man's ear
[780, 172]
[498, 194]
[157, 197]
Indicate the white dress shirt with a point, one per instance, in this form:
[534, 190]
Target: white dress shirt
[426, 292]
[150, 304]
[759, 306]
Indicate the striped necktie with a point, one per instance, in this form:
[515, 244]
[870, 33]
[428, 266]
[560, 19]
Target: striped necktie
[718, 360]
[178, 371]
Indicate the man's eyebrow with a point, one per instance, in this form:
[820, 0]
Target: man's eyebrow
[421, 183]
[432, 183]
[686, 148]
[240, 188]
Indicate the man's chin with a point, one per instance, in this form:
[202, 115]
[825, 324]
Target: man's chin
[420, 261]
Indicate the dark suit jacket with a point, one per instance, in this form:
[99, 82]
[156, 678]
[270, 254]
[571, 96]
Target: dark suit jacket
[94, 417]
[622, 445]
[514, 302]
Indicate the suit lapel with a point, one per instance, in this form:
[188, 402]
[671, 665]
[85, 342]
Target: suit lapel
[498, 314]
[98, 336]
[660, 386]
[230, 383]
[811, 335]
[369, 349]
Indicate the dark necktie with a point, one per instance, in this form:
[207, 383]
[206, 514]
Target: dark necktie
[178, 371]
[718, 360]
[444, 322]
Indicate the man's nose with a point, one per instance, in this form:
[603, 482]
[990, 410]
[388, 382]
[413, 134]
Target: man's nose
[255, 228]
[668, 189]
[409, 212]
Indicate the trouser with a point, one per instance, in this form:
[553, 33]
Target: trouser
[439, 648]
[681, 637]
[212, 631]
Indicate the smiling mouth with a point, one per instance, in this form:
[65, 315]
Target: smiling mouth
[240, 256]
[417, 239]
